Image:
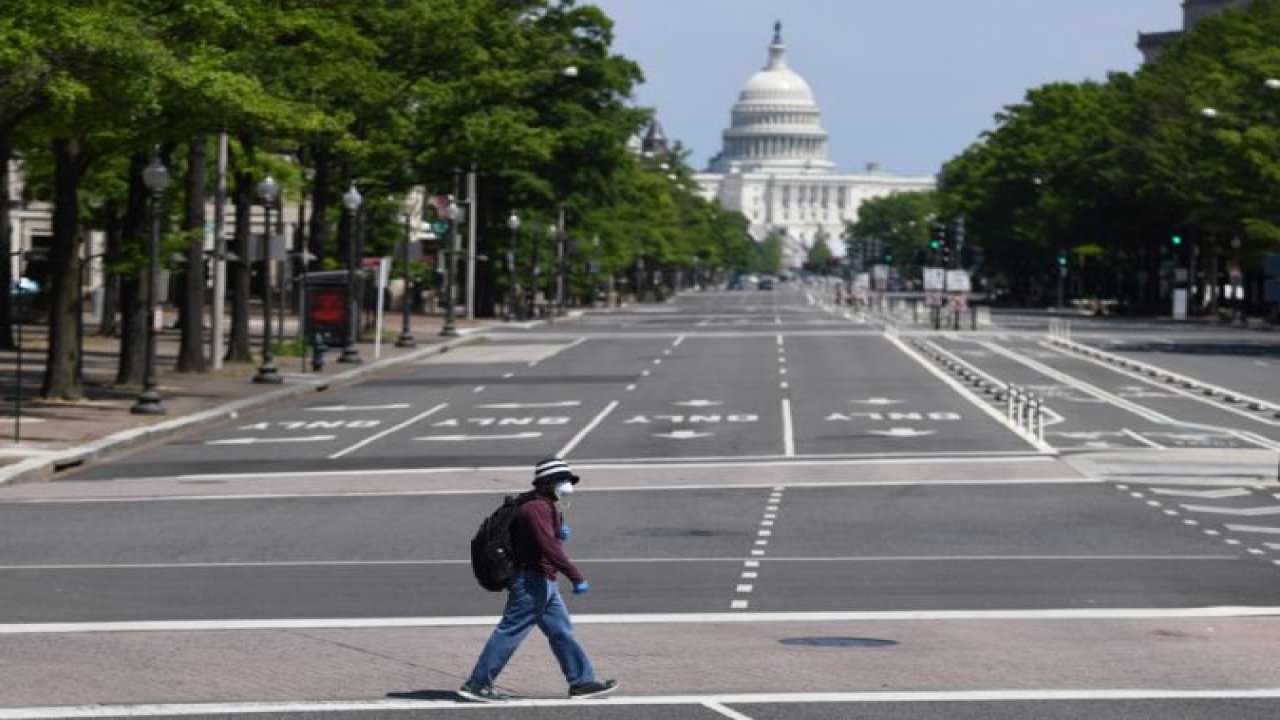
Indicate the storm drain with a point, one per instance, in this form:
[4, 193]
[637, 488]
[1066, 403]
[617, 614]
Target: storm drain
[838, 642]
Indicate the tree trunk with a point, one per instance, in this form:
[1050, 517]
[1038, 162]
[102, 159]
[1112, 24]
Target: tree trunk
[321, 199]
[60, 379]
[131, 364]
[191, 356]
[238, 349]
[6, 249]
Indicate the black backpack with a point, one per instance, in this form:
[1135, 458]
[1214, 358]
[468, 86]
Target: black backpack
[492, 558]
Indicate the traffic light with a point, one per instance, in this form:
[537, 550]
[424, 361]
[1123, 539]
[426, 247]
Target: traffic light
[1177, 240]
[1062, 258]
[938, 236]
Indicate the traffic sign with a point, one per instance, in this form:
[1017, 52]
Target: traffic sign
[440, 227]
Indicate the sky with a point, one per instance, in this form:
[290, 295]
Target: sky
[906, 83]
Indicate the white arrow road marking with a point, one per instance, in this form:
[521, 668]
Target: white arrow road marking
[465, 438]
[1254, 529]
[358, 408]
[1247, 512]
[878, 401]
[902, 432]
[1222, 494]
[683, 435]
[699, 403]
[523, 406]
[259, 441]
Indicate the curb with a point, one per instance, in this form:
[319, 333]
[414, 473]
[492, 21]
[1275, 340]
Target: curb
[47, 465]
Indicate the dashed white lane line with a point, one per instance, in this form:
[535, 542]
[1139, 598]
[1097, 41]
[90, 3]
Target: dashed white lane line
[508, 376]
[718, 707]
[751, 568]
[478, 389]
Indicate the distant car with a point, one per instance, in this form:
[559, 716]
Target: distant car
[765, 284]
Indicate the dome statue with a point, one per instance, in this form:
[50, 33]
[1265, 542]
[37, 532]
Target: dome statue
[776, 121]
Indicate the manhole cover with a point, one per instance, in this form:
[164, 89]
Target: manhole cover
[838, 642]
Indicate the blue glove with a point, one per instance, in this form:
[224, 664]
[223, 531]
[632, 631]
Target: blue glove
[565, 532]
[581, 588]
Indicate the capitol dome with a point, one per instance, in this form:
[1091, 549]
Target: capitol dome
[776, 122]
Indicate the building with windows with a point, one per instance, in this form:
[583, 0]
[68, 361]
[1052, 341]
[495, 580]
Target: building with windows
[775, 170]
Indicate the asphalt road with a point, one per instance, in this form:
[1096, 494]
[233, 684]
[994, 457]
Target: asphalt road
[785, 512]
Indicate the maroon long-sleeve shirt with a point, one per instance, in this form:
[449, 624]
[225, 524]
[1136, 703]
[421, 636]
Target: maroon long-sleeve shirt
[535, 537]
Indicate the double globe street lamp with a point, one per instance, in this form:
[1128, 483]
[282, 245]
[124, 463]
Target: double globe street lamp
[156, 177]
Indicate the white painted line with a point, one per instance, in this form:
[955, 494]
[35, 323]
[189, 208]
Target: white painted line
[1246, 512]
[377, 436]
[788, 429]
[1221, 494]
[757, 553]
[478, 389]
[752, 564]
[731, 714]
[358, 408]
[473, 438]
[631, 388]
[679, 341]
[765, 533]
[272, 441]
[1254, 529]
[750, 575]
[527, 406]
[766, 523]
[1143, 440]
[784, 385]
[739, 605]
[644, 373]
[744, 588]
[650, 619]
[968, 395]
[564, 451]
[762, 543]
[508, 376]
[780, 341]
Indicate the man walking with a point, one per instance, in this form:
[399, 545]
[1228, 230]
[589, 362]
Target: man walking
[533, 598]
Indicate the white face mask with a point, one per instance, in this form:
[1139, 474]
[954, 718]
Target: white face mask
[564, 495]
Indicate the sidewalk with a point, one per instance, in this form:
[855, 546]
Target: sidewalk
[47, 436]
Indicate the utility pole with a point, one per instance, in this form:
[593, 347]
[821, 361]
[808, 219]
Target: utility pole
[219, 258]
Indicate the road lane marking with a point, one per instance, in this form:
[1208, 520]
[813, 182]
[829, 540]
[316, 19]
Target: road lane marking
[717, 703]
[869, 559]
[472, 438]
[595, 422]
[357, 408]
[268, 441]
[1143, 440]
[972, 398]
[529, 406]
[378, 436]
[788, 430]
[1221, 494]
[1254, 529]
[650, 619]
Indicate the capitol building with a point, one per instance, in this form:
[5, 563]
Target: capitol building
[775, 170]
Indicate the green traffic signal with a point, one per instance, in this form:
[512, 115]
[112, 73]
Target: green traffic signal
[1062, 260]
[933, 244]
[1177, 240]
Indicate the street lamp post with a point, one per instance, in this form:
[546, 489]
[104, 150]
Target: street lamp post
[406, 339]
[352, 200]
[456, 213]
[268, 191]
[513, 223]
[156, 178]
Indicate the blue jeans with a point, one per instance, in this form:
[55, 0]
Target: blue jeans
[533, 599]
